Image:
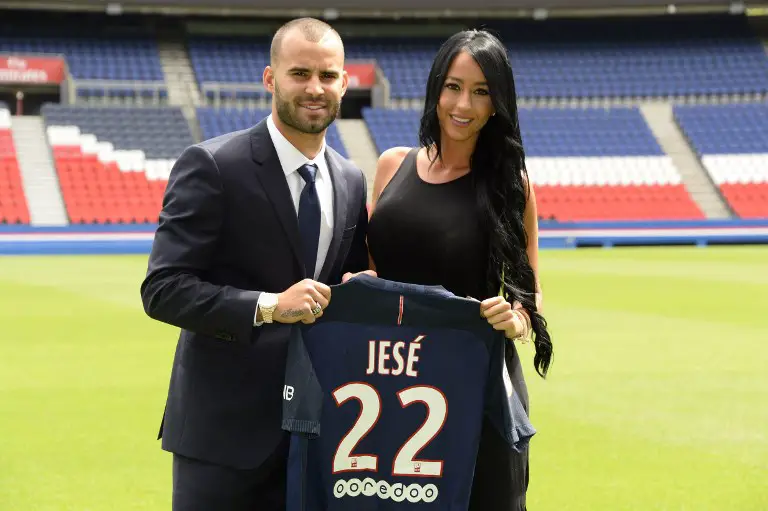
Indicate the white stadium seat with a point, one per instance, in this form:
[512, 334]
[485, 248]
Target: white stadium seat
[588, 171]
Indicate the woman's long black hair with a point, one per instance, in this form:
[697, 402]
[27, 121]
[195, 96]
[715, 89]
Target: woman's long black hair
[498, 166]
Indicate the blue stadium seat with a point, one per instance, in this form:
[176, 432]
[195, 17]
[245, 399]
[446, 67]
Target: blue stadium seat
[161, 132]
[114, 57]
[392, 128]
[230, 60]
[546, 132]
[664, 56]
[738, 128]
[217, 121]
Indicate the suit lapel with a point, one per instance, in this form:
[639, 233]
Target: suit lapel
[339, 184]
[275, 185]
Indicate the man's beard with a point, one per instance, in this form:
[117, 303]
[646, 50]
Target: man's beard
[288, 114]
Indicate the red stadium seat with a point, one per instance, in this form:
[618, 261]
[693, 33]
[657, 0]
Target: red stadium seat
[13, 202]
[630, 202]
[96, 192]
[748, 200]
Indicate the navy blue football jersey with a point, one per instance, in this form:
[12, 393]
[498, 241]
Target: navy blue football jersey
[385, 396]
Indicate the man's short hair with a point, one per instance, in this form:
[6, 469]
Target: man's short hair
[312, 29]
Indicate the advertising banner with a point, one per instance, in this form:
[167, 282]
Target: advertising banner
[31, 70]
[362, 75]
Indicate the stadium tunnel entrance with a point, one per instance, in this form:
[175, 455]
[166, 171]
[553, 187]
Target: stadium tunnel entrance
[28, 100]
[353, 103]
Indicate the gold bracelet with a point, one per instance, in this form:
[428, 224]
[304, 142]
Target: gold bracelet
[520, 319]
[526, 336]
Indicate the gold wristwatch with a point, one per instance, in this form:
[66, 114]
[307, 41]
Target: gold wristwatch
[267, 306]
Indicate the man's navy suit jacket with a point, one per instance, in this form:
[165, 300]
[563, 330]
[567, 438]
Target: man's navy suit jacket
[228, 230]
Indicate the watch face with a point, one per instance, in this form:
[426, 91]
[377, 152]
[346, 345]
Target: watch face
[269, 301]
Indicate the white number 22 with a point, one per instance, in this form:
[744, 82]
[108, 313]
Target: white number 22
[370, 410]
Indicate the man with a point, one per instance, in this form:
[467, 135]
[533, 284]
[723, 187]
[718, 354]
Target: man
[255, 224]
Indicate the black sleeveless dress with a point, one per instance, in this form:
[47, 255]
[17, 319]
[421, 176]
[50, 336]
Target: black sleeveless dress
[432, 234]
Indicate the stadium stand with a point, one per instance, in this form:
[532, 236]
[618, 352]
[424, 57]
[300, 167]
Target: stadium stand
[113, 162]
[13, 203]
[404, 61]
[635, 57]
[217, 121]
[392, 127]
[229, 60]
[122, 57]
[732, 143]
[585, 164]
[666, 56]
[643, 57]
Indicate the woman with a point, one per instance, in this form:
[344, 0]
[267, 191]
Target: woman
[458, 212]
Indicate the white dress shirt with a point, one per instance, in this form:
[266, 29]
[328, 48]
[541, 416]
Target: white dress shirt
[290, 160]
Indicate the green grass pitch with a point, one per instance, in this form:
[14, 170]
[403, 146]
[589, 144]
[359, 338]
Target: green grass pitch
[658, 397]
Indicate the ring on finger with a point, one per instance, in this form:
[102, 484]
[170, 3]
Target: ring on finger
[318, 308]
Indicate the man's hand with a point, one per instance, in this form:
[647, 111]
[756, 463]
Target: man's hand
[298, 302]
[349, 275]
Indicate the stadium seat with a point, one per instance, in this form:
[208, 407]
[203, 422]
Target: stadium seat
[663, 56]
[732, 145]
[13, 202]
[113, 163]
[217, 121]
[633, 57]
[113, 57]
[230, 60]
[585, 164]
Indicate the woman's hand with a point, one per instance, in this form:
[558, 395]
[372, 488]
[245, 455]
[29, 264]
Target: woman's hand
[349, 275]
[502, 315]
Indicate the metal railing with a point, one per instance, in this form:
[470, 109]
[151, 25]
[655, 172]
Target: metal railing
[219, 94]
[139, 92]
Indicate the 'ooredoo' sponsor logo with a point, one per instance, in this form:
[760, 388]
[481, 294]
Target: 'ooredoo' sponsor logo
[398, 492]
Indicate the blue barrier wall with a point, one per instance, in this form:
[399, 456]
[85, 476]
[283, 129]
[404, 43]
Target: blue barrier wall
[137, 239]
[609, 234]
